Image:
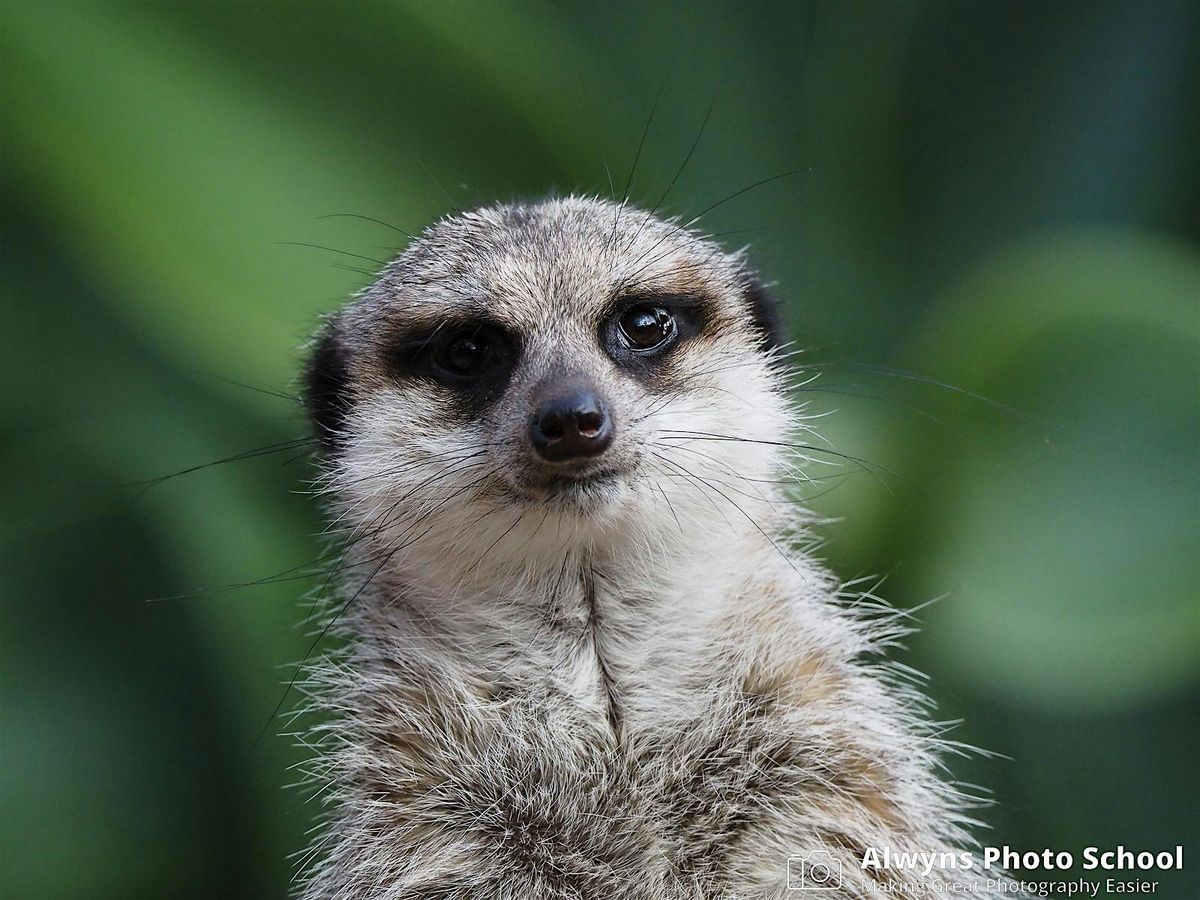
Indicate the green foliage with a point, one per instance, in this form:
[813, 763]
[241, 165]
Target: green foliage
[999, 198]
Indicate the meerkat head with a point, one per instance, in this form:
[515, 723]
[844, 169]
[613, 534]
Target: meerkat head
[538, 374]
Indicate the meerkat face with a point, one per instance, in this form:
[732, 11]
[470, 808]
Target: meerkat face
[560, 367]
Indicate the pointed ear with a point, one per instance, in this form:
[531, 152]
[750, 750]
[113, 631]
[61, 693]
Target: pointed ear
[327, 388]
[764, 312]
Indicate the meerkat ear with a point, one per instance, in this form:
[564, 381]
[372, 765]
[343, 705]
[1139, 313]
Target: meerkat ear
[327, 387]
[764, 313]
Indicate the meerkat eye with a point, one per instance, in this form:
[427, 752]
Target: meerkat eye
[646, 327]
[472, 356]
[464, 354]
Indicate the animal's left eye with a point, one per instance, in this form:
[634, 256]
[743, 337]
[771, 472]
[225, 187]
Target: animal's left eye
[646, 327]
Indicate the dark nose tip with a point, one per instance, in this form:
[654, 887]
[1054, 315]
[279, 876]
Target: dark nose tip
[573, 425]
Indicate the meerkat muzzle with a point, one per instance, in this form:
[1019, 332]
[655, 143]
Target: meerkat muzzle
[572, 425]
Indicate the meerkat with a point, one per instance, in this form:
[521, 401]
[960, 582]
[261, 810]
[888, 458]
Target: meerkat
[588, 653]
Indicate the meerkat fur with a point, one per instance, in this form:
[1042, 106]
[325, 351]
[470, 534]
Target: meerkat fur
[628, 678]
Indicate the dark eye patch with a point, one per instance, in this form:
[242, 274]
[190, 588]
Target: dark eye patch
[474, 358]
[640, 331]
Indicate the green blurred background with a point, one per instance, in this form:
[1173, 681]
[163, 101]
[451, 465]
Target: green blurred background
[1001, 197]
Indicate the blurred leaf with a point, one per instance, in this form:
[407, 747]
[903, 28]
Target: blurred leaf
[175, 177]
[1071, 562]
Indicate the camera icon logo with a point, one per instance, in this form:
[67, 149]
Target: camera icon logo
[816, 871]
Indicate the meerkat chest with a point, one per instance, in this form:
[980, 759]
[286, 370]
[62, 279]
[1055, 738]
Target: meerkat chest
[639, 652]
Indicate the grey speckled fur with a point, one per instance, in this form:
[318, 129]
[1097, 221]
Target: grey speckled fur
[641, 687]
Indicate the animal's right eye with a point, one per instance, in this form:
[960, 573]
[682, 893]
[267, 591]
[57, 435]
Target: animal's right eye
[459, 355]
[463, 355]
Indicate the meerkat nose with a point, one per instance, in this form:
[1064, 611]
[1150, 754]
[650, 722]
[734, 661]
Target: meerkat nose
[570, 426]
